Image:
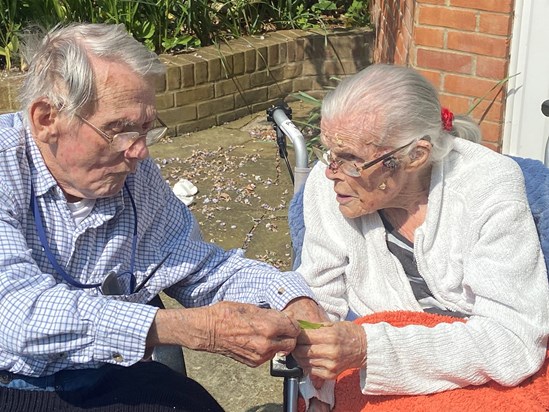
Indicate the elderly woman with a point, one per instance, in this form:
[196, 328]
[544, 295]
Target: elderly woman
[410, 213]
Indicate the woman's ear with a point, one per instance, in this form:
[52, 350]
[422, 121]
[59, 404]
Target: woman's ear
[420, 154]
[44, 120]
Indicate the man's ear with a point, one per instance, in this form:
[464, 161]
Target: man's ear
[420, 154]
[44, 121]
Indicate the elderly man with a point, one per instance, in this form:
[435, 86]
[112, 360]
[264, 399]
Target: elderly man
[90, 233]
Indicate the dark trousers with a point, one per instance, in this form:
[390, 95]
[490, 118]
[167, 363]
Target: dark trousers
[143, 387]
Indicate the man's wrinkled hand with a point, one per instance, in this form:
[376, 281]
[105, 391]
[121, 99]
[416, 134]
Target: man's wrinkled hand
[249, 334]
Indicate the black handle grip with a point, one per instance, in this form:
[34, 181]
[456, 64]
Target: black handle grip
[545, 108]
[285, 366]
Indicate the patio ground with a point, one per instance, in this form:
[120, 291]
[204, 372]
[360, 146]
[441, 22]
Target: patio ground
[244, 190]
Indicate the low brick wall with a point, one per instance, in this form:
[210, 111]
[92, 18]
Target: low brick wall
[9, 89]
[217, 84]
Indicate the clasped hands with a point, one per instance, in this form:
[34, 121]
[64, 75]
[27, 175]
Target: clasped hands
[252, 335]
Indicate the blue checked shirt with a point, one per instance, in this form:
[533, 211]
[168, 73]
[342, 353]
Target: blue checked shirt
[47, 325]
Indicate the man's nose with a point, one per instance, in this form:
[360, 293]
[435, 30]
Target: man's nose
[138, 150]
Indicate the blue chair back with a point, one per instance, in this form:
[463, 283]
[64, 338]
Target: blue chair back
[536, 178]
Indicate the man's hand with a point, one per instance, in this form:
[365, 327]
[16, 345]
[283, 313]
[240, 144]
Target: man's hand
[330, 350]
[241, 331]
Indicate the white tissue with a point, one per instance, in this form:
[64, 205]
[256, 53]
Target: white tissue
[185, 191]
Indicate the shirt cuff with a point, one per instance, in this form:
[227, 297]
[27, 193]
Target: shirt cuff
[122, 331]
[285, 288]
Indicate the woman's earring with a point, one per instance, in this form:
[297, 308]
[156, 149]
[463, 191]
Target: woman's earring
[382, 186]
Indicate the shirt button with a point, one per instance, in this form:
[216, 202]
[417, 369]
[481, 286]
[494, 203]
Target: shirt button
[5, 378]
[117, 357]
[281, 291]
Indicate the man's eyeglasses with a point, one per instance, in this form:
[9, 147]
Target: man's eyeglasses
[124, 140]
[351, 168]
[120, 283]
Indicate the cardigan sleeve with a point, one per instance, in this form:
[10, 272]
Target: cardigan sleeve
[324, 255]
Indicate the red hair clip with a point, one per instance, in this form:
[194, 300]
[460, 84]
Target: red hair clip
[447, 118]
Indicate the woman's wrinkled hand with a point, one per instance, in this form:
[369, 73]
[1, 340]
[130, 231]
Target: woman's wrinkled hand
[304, 308]
[326, 352]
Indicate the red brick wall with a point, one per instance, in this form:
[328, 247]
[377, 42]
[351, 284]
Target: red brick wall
[393, 21]
[462, 46]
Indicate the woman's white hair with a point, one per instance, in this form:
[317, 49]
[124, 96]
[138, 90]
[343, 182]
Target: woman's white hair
[59, 66]
[390, 106]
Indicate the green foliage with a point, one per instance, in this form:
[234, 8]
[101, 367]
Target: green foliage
[357, 15]
[312, 123]
[324, 6]
[300, 17]
[240, 17]
[8, 36]
[175, 25]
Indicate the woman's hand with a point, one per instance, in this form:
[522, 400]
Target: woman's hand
[332, 349]
[307, 309]
[304, 308]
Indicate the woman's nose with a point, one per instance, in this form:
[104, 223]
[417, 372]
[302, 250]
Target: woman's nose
[332, 171]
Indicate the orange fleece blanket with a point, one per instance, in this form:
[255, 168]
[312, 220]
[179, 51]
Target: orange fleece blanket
[531, 395]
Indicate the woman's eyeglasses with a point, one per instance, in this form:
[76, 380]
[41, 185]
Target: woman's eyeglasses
[121, 142]
[352, 169]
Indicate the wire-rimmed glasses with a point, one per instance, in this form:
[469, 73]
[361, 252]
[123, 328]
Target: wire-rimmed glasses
[120, 283]
[124, 140]
[352, 169]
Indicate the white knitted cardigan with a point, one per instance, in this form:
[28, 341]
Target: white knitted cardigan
[479, 253]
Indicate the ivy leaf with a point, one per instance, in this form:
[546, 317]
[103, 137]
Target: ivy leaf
[304, 324]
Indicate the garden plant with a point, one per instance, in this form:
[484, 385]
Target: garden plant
[174, 26]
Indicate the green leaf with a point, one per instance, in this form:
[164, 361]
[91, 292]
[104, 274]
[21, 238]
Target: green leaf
[481, 99]
[305, 324]
[307, 98]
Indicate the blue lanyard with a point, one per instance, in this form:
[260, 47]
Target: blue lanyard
[44, 241]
